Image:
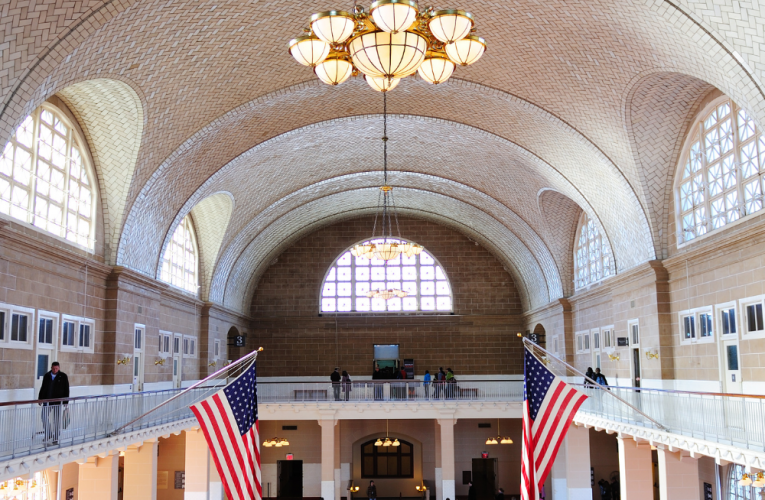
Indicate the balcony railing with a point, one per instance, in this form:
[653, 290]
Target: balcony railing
[28, 428]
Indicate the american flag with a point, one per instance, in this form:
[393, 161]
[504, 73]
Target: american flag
[549, 406]
[229, 420]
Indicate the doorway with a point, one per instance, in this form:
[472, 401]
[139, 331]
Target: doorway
[731, 367]
[138, 369]
[289, 480]
[485, 480]
[634, 339]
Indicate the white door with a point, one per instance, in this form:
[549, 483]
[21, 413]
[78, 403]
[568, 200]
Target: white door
[731, 366]
[138, 361]
[595, 349]
[45, 354]
[177, 367]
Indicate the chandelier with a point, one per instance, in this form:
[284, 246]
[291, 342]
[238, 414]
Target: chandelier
[500, 439]
[394, 40]
[276, 442]
[387, 441]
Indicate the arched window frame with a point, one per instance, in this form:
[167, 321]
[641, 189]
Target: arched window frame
[593, 260]
[375, 455]
[176, 257]
[720, 178]
[76, 212]
[439, 292]
[731, 488]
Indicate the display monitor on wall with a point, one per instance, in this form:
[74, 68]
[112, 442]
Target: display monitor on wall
[386, 351]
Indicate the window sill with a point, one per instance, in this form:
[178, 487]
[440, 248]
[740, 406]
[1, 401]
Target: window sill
[16, 345]
[753, 335]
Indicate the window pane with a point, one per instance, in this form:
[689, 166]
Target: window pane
[731, 353]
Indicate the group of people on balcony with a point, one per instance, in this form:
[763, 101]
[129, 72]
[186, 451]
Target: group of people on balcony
[442, 385]
[595, 376]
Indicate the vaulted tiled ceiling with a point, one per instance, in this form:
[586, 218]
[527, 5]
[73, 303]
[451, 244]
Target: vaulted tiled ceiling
[575, 104]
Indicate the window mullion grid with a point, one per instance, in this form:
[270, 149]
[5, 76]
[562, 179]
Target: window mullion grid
[353, 287]
[67, 192]
[418, 264]
[32, 199]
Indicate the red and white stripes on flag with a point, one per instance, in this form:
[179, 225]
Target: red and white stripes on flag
[549, 407]
[229, 421]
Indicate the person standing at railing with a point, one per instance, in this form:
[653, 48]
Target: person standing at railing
[440, 380]
[426, 384]
[590, 375]
[55, 385]
[335, 378]
[451, 384]
[347, 385]
[378, 388]
[600, 378]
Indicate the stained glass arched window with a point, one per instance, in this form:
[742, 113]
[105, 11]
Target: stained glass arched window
[179, 264]
[46, 178]
[348, 280]
[592, 256]
[722, 170]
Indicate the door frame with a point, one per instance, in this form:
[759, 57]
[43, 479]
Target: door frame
[721, 339]
[634, 346]
[597, 359]
[50, 349]
[139, 356]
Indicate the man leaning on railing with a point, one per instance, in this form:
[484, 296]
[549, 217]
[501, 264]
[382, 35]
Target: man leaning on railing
[55, 386]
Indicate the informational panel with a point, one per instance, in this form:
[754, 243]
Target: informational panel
[622, 341]
[180, 480]
[409, 368]
[707, 491]
[162, 476]
[386, 351]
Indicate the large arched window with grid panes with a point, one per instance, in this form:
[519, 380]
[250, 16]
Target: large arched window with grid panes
[350, 278]
[720, 176]
[592, 256]
[735, 491]
[180, 261]
[46, 178]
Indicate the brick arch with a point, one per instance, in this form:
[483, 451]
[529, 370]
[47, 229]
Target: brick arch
[111, 115]
[561, 215]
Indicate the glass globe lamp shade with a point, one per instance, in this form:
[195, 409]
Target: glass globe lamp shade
[367, 251]
[309, 50]
[335, 69]
[382, 84]
[436, 68]
[285, 442]
[387, 442]
[506, 440]
[449, 26]
[378, 442]
[396, 443]
[760, 481]
[389, 55]
[466, 51]
[334, 26]
[745, 480]
[394, 16]
[401, 294]
[387, 251]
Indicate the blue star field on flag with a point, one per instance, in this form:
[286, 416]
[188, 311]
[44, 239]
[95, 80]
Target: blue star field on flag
[537, 382]
[243, 398]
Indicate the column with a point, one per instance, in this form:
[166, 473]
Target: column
[338, 483]
[447, 458]
[197, 466]
[327, 458]
[678, 476]
[571, 469]
[438, 477]
[216, 485]
[635, 469]
[140, 480]
[98, 478]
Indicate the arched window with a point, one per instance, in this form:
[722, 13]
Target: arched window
[720, 177]
[592, 256]
[737, 492]
[350, 278]
[179, 264]
[387, 461]
[46, 179]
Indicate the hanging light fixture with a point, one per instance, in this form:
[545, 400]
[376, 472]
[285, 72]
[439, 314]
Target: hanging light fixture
[500, 439]
[276, 442]
[760, 481]
[386, 247]
[387, 442]
[394, 40]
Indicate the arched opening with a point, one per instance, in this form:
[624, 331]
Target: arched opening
[394, 469]
[539, 335]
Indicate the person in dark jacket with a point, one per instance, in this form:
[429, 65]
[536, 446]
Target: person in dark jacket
[335, 378]
[600, 378]
[55, 385]
[500, 495]
[471, 491]
[346, 385]
[589, 375]
[378, 388]
[372, 491]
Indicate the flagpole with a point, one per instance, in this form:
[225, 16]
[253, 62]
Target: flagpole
[253, 355]
[526, 341]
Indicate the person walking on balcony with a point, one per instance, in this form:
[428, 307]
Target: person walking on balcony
[426, 384]
[451, 384]
[377, 385]
[590, 375]
[440, 380]
[600, 378]
[372, 491]
[55, 385]
[335, 378]
[346, 385]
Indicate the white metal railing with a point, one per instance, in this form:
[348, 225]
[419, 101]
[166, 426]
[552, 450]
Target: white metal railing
[29, 427]
[737, 420]
[391, 391]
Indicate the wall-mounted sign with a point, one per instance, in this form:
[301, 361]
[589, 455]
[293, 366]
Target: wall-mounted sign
[180, 480]
[289, 456]
[484, 454]
[707, 491]
[409, 368]
[622, 341]
[239, 341]
[162, 476]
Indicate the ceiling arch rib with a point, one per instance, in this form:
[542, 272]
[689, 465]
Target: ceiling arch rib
[111, 116]
[290, 227]
[561, 215]
[539, 139]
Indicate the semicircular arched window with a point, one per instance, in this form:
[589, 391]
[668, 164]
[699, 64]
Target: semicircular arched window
[46, 178]
[387, 461]
[180, 263]
[592, 255]
[721, 172]
[421, 276]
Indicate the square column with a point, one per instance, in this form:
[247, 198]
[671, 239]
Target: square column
[98, 478]
[678, 476]
[447, 458]
[635, 469]
[327, 458]
[571, 470]
[216, 484]
[337, 475]
[197, 466]
[140, 481]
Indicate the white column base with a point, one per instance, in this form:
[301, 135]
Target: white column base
[447, 489]
[439, 486]
[216, 490]
[328, 490]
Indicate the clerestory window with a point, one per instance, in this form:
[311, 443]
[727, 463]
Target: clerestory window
[46, 178]
[179, 263]
[592, 256]
[349, 279]
[720, 176]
